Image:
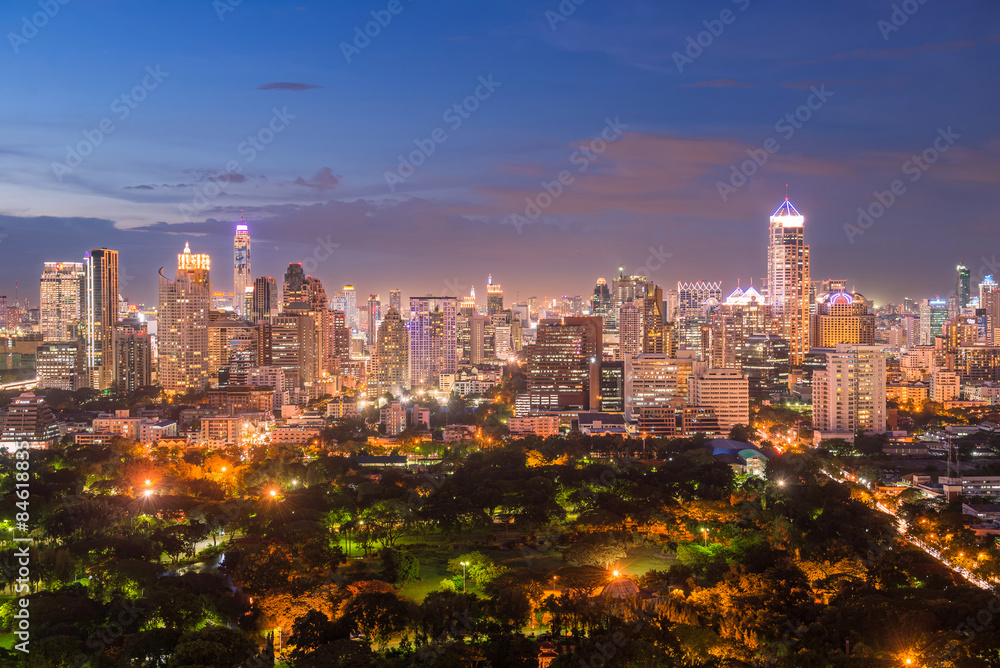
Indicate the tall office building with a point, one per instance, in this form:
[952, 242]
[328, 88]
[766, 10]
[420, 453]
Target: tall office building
[625, 289]
[600, 302]
[351, 307]
[182, 326]
[338, 342]
[494, 296]
[612, 387]
[373, 313]
[630, 331]
[727, 391]
[963, 285]
[933, 315]
[653, 380]
[133, 351]
[989, 302]
[433, 339]
[655, 334]
[391, 355]
[293, 288]
[849, 394]
[481, 339]
[842, 317]
[101, 277]
[63, 299]
[396, 301]
[61, 365]
[764, 359]
[788, 278]
[3, 312]
[294, 346]
[697, 297]
[563, 364]
[264, 304]
[242, 278]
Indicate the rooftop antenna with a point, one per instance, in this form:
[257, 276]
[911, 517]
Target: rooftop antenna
[786, 192]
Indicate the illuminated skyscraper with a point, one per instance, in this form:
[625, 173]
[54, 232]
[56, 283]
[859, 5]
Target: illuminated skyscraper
[433, 339]
[63, 299]
[842, 317]
[563, 365]
[963, 286]
[294, 287]
[933, 315]
[3, 311]
[264, 304]
[630, 331]
[788, 278]
[396, 301]
[849, 394]
[101, 276]
[391, 355]
[241, 266]
[182, 327]
[373, 311]
[600, 302]
[695, 298]
[351, 307]
[494, 297]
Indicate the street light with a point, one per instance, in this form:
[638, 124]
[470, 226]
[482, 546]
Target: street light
[464, 565]
[704, 532]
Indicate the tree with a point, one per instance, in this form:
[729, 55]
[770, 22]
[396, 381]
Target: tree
[741, 432]
[399, 567]
[264, 569]
[312, 631]
[479, 568]
[341, 653]
[377, 616]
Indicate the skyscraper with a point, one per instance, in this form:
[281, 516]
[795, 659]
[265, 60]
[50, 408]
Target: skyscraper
[963, 285]
[294, 288]
[433, 339]
[788, 278]
[351, 307]
[933, 315]
[600, 301]
[842, 317]
[182, 328]
[3, 311]
[241, 266]
[695, 298]
[373, 311]
[391, 354]
[63, 299]
[849, 394]
[133, 358]
[563, 365]
[101, 276]
[630, 331]
[396, 301]
[494, 296]
[264, 304]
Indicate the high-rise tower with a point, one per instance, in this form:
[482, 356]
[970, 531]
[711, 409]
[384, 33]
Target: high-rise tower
[788, 278]
[241, 266]
[101, 276]
[494, 296]
[63, 299]
[963, 286]
[182, 328]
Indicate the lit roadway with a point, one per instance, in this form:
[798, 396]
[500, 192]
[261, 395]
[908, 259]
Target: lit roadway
[20, 385]
[901, 528]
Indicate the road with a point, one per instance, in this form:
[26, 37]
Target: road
[901, 528]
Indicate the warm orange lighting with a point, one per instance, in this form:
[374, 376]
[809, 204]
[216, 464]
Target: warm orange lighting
[223, 469]
[274, 493]
[147, 481]
[614, 573]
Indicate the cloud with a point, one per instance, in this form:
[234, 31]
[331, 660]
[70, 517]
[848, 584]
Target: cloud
[720, 83]
[325, 179]
[933, 47]
[287, 85]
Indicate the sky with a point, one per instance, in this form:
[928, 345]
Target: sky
[589, 134]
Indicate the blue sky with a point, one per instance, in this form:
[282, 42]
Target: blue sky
[225, 74]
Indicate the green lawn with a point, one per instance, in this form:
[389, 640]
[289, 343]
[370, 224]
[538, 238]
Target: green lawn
[7, 640]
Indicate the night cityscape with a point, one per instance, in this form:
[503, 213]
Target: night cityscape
[562, 334]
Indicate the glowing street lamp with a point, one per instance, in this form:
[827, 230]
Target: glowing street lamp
[464, 565]
[704, 533]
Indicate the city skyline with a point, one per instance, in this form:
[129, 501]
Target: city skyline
[669, 177]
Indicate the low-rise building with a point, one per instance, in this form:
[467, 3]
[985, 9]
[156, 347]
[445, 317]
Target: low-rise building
[538, 425]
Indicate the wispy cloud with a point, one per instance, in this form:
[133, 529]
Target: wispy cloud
[287, 85]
